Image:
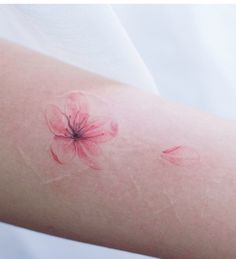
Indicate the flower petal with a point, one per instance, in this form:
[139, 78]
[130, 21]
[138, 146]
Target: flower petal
[56, 120]
[100, 130]
[91, 147]
[85, 152]
[75, 105]
[181, 155]
[62, 149]
[80, 121]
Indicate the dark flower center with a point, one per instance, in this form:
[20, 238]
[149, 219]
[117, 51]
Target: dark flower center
[75, 135]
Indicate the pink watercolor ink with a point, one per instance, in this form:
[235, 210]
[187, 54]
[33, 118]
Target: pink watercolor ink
[181, 155]
[76, 133]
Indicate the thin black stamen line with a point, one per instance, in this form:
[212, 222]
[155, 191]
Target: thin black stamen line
[76, 131]
[79, 124]
[88, 127]
[68, 122]
[81, 130]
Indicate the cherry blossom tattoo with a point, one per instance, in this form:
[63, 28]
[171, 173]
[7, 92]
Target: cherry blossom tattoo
[77, 134]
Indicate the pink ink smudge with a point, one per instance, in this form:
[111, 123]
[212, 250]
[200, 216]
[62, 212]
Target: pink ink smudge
[181, 155]
[76, 133]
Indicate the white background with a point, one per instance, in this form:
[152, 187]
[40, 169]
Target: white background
[187, 53]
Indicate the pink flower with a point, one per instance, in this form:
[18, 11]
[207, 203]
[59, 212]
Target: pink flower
[76, 134]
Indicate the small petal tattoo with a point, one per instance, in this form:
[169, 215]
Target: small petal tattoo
[180, 155]
[77, 135]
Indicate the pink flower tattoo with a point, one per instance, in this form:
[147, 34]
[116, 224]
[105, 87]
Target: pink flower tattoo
[76, 133]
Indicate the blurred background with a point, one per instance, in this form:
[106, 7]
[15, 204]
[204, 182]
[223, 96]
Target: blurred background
[186, 53]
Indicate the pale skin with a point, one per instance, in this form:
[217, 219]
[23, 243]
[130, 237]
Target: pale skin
[166, 181]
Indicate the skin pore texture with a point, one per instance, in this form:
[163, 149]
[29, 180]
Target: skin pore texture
[89, 159]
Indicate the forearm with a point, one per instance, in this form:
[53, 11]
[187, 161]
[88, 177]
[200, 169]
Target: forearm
[161, 182]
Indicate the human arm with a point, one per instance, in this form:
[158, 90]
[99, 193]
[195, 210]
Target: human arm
[166, 179]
